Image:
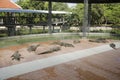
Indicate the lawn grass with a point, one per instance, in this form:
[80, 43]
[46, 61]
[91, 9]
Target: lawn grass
[106, 37]
[95, 37]
[19, 41]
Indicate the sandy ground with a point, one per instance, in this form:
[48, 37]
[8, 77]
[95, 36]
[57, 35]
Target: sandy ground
[5, 53]
[104, 66]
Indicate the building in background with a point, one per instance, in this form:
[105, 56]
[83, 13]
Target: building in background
[9, 4]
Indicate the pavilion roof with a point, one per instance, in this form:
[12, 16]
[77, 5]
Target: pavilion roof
[33, 11]
[9, 4]
[81, 1]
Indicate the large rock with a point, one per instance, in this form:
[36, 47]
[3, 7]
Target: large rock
[47, 49]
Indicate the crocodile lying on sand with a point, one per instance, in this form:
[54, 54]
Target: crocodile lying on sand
[99, 40]
[16, 56]
[63, 44]
[33, 47]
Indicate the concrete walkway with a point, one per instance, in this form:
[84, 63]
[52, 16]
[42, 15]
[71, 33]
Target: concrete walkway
[19, 69]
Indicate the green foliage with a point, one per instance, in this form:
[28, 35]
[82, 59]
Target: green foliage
[3, 35]
[116, 31]
[69, 30]
[97, 30]
[59, 6]
[76, 18]
[26, 31]
[33, 5]
[97, 14]
[112, 13]
[39, 5]
[116, 25]
[22, 31]
[100, 14]
[38, 31]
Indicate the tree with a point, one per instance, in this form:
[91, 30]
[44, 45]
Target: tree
[97, 14]
[76, 18]
[34, 5]
[59, 6]
[78, 11]
[100, 13]
[112, 13]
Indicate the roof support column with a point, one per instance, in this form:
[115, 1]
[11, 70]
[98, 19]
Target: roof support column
[50, 16]
[89, 16]
[85, 20]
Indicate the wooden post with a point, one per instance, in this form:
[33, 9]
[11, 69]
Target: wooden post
[89, 16]
[85, 21]
[50, 17]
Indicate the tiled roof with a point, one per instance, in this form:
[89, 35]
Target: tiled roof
[9, 4]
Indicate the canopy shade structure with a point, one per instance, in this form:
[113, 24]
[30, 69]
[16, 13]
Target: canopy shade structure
[9, 4]
[81, 1]
[33, 11]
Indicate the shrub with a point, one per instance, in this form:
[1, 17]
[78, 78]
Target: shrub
[3, 35]
[26, 31]
[115, 31]
[100, 30]
[3, 31]
[70, 30]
